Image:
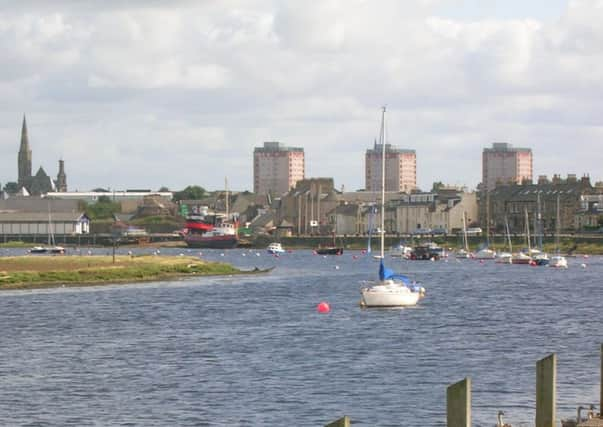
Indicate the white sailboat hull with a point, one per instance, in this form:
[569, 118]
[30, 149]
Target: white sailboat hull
[389, 294]
[485, 254]
[558, 261]
[504, 258]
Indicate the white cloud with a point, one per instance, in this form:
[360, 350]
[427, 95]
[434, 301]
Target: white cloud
[202, 83]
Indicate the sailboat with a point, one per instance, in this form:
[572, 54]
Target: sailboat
[506, 257]
[524, 257]
[485, 252]
[557, 260]
[540, 257]
[391, 290]
[464, 252]
[52, 247]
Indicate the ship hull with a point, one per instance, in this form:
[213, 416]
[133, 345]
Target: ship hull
[212, 242]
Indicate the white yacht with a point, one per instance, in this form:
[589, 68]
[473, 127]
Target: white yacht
[391, 290]
[485, 253]
[275, 248]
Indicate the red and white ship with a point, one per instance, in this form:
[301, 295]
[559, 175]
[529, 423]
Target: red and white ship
[211, 231]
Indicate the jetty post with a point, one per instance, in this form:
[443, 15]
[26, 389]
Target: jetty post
[342, 422]
[546, 378]
[458, 404]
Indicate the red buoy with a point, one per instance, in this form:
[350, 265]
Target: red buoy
[323, 307]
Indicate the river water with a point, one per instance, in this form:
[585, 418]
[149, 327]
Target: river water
[253, 351]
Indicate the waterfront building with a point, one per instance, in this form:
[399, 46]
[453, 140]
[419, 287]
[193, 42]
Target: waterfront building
[129, 200]
[307, 205]
[37, 217]
[400, 169]
[511, 202]
[504, 164]
[440, 212]
[277, 168]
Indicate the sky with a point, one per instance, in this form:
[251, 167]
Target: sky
[150, 94]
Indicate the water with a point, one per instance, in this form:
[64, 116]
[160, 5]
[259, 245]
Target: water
[253, 351]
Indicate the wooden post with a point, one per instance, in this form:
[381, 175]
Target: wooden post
[546, 378]
[601, 391]
[458, 404]
[342, 422]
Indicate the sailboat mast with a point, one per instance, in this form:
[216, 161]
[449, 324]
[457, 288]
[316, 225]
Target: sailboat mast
[465, 241]
[382, 136]
[487, 218]
[528, 231]
[557, 226]
[508, 234]
[226, 190]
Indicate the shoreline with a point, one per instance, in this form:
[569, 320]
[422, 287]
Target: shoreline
[25, 272]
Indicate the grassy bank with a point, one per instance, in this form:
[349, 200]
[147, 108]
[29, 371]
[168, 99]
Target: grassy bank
[47, 271]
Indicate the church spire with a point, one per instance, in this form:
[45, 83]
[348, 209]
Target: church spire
[24, 138]
[24, 158]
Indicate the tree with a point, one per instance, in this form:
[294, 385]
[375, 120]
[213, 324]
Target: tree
[192, 192]
[436, 186]
[104, 208]
[11, 187]
[163, 190]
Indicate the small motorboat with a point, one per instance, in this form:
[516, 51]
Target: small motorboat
[275, 248]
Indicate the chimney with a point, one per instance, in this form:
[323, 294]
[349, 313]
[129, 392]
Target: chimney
[542, 180]
[571, 178]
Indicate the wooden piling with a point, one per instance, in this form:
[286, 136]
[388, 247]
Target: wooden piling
[458, 404]
[342, 422]
[546, 379]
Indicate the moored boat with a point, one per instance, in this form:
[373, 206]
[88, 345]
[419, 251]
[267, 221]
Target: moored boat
[223, 236]
[504, 258]
[541, 259]
[275, 248]
[521, 258]
[400, 251]
[391, 290]
[57, 250]
[485, 253]
[330, 249]
[462, 254]
[558, 261]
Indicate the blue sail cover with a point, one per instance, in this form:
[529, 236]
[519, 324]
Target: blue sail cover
[387, 273]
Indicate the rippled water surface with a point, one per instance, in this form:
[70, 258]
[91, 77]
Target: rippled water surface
[253, 351]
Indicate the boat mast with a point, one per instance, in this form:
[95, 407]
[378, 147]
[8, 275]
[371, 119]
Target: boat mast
[528, 231]
[382, 136]
[50, 230]
[557, 226]
[508, 235]
[487, 218]
[465, 242]
[540, 228]
[226, 190]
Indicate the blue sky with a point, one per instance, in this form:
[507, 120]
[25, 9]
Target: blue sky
[145, 94]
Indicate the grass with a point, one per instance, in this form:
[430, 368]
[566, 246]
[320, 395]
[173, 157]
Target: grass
[46, 271]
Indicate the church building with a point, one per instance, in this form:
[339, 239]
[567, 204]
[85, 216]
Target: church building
[40, 183]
